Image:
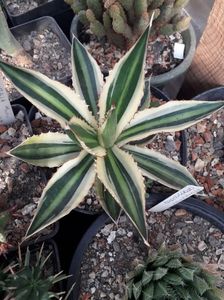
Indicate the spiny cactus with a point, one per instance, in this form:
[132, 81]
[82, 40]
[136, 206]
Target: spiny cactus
[27, 281]
[171, 276]
[123, 21]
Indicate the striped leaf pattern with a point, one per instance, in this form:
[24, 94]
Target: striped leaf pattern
[160, 168]
[122, 178]
[170, 117]
[124, 86]
[65, 190]
[47, 150]
[86, 136]
[87, 77]
[54, 99]
[106, 200]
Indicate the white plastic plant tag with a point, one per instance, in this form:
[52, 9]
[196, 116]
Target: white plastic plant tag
[178, 51]
[176, 198]
[6, 113]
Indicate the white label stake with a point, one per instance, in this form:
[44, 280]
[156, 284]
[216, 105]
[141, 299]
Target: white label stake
[176, 198]
[6, 113]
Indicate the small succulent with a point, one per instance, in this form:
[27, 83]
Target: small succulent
[103, 123]
[123, 21]
[169, 275]
[26, 280]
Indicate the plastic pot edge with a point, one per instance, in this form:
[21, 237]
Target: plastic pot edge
[193, 205]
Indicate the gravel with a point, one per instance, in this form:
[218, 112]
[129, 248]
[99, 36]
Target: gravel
[206, 157]
[21, 184]
[159, 55]
[47, 53]
[18, 7]
[105, 264]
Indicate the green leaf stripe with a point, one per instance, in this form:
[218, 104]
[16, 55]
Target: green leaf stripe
[40, 91]
[84, 73]
[161, 168]
[126, 189]
[43, 151]
[164, 119]
[86, 134]
[126, 82]
[57, 196]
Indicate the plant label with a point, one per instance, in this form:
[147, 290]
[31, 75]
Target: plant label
[176, 198]
[6, 113]
[178, 51]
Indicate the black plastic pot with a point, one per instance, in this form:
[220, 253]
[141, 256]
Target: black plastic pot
[18, 107]
[40, 23]
[51, 8]
[169, 82]
[193, 205]
[211, 95]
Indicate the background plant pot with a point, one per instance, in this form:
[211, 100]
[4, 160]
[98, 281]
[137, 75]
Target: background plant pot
[51, 8]
[193, 205]
[169, 82]
[38, 25]
[211, 95]
[18, 107]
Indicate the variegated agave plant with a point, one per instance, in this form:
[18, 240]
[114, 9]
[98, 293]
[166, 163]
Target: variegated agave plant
[102, 122]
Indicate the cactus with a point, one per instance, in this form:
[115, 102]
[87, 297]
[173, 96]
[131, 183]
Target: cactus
[26, 280]
[169, 275]
[123, 21]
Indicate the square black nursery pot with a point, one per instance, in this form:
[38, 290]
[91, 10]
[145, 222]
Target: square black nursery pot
[35, 25]
[50, 8]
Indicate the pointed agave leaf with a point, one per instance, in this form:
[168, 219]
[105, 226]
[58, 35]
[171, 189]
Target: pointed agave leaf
[160, 168]
[159, 273]
[53, 98]
[87, 77]
[148, 292]
[65, 190]
[161, 291]
[137, 290]
[122, 178]
[47, 150]
[86, 136]
[124, 86]
[200, 285]
[169, 117]
[107, 132]
[147, 277]
[173, 279]
[186, 273]
[182, 293]
[106, 200]
[174, 263]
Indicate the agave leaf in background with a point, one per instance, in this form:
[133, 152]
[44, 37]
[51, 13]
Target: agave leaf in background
[122, 178]
[53, 98]
[160, 168]
[107, 201]
[170, 117]
[124, 87]
[87, 77]
[65, 190]
[47, 150]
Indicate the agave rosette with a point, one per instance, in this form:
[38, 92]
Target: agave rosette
[101, 120]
